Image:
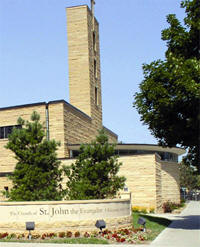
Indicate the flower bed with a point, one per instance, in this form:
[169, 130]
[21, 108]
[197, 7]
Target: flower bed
[127, 235]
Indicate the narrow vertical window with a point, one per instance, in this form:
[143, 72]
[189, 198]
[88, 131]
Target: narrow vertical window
[96, 96]
[1, 132]
[6, 191]
[95, 68]
[94, 41]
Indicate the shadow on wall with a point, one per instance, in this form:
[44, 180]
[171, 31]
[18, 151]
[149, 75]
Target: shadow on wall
[171, 170]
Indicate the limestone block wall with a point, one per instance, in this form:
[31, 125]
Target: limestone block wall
[84, 62]
[78, 58]
[77, 126]
[8, 117]
[4, 182]
[158, 183]
[140, 171]
[56, 126]
[170, 182]
[111, 136]
[143, 174]
[58, 216]
[95, 70]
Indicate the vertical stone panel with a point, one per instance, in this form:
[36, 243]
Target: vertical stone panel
[56, 126]
[158, 184]
[170, 182]
[140, 173]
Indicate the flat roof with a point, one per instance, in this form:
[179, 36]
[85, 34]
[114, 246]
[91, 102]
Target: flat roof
[142, 147]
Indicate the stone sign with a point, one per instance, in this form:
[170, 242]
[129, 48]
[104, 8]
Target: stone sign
[63, 211]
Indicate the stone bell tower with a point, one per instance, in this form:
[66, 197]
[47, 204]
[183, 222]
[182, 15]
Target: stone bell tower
[84, 62]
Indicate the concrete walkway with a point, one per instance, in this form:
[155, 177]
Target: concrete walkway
[184, 231]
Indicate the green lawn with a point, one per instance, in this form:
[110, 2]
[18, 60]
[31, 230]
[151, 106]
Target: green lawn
[155, 224]
[62, 240]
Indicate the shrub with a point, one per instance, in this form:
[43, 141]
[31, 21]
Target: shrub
[3, 235]
[35, 236]
[86, 235]
[167, 207]
[69, 234]
[151, 210]
[77, 234]
[138, 209]
[12, 235]
[43, 236]
[61, 234]
[143, 210]
[135, 209]
[51, 235]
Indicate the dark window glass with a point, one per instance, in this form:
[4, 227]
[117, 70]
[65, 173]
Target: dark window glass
[96, 96]
[95, 69]
[7, 130]
[94, 41]
[1, 132]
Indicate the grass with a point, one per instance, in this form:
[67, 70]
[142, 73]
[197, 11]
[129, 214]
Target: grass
[155, 224]
[62, 241]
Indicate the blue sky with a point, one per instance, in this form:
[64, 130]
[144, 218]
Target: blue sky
[33, 54]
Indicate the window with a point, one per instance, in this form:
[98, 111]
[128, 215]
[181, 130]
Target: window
[7, 130]
[94, 41]
[96, 96]
[6, 191]
[95, 68]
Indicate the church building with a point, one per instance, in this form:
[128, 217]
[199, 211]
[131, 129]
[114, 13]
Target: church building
[151, 171]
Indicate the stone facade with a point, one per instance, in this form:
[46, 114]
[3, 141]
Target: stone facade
[8, 117]
[84, 62]
[170, 181]
[151, 180]
[57, 216]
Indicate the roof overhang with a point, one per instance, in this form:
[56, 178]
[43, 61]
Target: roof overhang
[141, 147]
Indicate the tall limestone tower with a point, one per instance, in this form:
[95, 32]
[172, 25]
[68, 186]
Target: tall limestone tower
[84, 62]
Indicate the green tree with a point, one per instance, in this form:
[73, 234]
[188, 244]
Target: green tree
[94, 174]
[37, 175]
[169, 97]
[188, 178]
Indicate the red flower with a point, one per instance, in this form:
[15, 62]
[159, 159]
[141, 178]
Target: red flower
[141, 238]
[115, 235]
[118, 239]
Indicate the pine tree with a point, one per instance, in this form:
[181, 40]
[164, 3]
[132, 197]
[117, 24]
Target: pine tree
[94, 174]
[37, 175]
